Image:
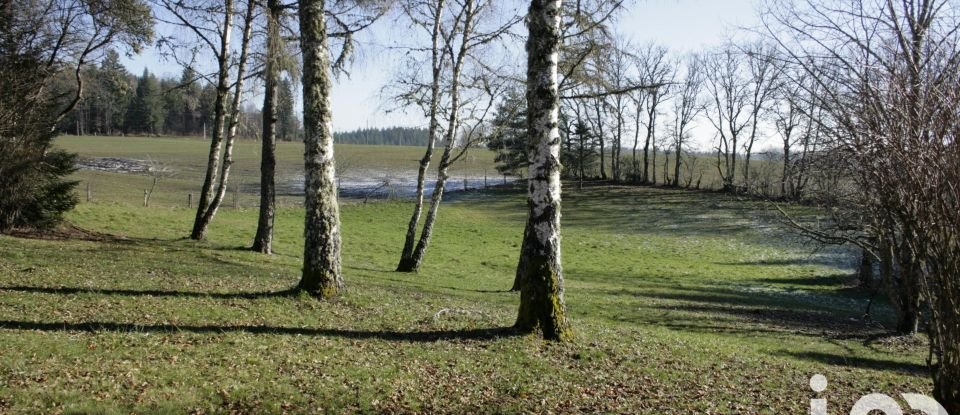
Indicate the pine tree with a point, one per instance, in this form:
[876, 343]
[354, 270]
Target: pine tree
[146, 112]
[288, 126]
[509, 136]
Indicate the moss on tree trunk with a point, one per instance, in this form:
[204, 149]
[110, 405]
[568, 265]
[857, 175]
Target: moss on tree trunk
[321, 251]
[540, 273]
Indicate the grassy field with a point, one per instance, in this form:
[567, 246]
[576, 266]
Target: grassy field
[187, 158]
[682, 302]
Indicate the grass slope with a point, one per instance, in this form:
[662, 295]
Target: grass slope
[682, 302]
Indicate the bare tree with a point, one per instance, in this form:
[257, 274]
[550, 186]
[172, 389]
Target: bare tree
[657, 71]
[686, 107]
[797, 120]
[889, 81]
[455, 45]
[207, 28]
[425, 14]
[619, 78]
[541, 292]
[729, 98]
[762, 78]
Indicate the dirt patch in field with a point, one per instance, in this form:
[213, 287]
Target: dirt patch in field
[114, 165]
[65, 232]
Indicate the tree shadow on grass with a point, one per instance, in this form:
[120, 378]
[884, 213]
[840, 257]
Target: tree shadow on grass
[807, 322]
[799, 313]
[860, 362]
[151, 293]
[843, 280]
[395, 336]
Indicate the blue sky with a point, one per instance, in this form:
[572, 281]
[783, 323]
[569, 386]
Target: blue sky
[681, 25]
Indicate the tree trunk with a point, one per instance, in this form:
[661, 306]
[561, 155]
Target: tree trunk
[615, 157]
[785, 178]
[541, 292]
[946, 371]
[865, 272]
[234, 120]
[666, 170]
[651, 126]
[946, 381]
[216, 139]
[636, 143]
[416, 259]
[909, 320]
[676, 164]
[263, 241]
[653, 166]
[902, 294]
[603, 169]
[407, 262]
[321, 250]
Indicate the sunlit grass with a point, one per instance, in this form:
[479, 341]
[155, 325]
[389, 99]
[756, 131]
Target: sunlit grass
[681, 301]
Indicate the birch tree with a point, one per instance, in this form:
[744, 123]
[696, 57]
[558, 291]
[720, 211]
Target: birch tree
[541, 284]
[321, 251]
[453, 45]
[202, 223]
[207, 29]
[434, 20]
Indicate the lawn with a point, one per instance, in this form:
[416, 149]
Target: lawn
[681, 301]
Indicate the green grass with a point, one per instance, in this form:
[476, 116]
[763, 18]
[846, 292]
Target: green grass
[187, 158]
[682, 302]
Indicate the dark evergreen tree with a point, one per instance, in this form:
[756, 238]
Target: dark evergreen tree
[288, 125]
[41, 43]
[146, 112]
[191, 117]
[171, 99]
[116, 85]
[508, 137]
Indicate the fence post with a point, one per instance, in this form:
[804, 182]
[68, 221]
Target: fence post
[189, 200]
[89, 192]
[146, 198]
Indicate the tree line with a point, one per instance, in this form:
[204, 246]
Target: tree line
[391, 136]
[117, 102]
[629, 113]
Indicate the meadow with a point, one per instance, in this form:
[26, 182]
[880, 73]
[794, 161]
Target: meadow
[185, 158]
[682, 302]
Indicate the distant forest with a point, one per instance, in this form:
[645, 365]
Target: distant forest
[117, 102]
[393, 136]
